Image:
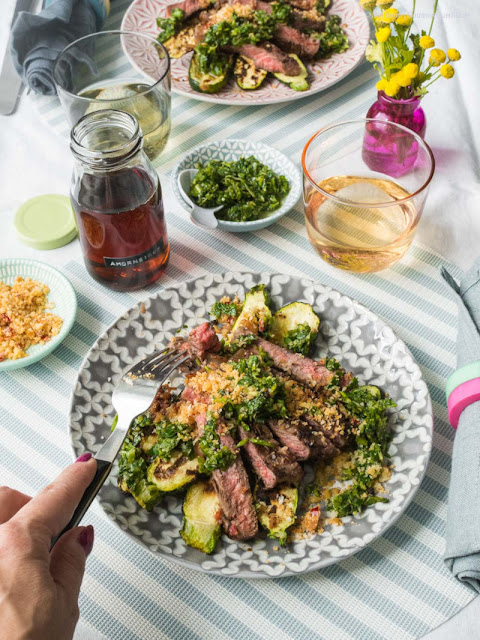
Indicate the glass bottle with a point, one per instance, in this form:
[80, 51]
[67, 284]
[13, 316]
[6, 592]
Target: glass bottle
[394, 156]
[117, 199]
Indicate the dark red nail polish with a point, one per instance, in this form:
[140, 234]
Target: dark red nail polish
[86, 538]
[84, 457]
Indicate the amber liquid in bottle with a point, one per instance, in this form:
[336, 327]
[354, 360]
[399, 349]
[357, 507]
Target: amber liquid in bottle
[121, 226]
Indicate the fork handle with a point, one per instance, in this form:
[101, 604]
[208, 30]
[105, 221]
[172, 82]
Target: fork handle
[103, 470]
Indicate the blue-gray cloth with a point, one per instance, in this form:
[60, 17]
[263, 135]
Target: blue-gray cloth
[462, 553]
[37, 40]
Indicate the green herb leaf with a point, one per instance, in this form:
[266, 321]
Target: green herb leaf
[169, 25]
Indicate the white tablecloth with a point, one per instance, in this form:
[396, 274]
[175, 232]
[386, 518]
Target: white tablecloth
[33, 160]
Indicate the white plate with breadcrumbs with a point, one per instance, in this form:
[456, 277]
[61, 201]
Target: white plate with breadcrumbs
[61, 295]
[141, 16]
[363, 344]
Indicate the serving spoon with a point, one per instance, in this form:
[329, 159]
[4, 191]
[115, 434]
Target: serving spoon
[200, 216]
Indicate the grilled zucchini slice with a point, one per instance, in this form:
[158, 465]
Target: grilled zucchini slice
[173, 474]
[205, 82]
[255, 316]
[248, 76]
[276, 509]
[295, 327]
[201, 517]
[147, 495]
[298, 82]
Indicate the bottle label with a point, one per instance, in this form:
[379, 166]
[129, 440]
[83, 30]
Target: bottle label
[131, 261]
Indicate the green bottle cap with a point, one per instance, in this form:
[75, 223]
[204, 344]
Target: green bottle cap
[46, 222]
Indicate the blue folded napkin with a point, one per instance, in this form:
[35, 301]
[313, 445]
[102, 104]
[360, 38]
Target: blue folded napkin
[37, 40]
[462, 554]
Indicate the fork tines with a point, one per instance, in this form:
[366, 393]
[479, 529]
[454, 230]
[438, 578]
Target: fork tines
[159, 364]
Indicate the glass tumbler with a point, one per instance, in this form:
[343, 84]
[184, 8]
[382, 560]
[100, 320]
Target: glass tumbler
[359, 219]
[119, 70]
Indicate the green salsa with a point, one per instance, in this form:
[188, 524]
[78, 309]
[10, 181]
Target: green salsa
[247, 189]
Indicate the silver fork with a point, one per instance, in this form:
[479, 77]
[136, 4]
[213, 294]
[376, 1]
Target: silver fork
[132, 396]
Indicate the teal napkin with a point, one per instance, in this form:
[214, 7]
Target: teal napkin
[462, 554]
[37, 40]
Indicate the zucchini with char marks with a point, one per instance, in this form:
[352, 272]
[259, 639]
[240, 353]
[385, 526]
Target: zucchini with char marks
[173, 474]
[298, 82]
[276, 509]
[255, 317]
[207, 82]
[201, 517]
[295, 327]
[248, 76]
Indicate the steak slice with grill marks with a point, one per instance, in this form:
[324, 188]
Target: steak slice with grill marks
[272, 464]
[189, 7]
[239, 517]
[304, 370]
[293, 41]
[236, 501]
[337, 433]
[268, 57]
[308, 20]
[303, 440]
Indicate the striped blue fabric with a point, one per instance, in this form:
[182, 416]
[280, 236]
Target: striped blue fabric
[398, 587]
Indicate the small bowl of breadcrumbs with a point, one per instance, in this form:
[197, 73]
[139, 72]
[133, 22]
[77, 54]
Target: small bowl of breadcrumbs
[37, 309]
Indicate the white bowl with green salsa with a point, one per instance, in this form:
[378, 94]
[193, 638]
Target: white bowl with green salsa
[257, 183]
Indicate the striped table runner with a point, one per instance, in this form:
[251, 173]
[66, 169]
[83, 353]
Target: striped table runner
[396, 588]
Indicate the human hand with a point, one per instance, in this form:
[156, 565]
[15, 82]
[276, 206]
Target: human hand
[38, 589]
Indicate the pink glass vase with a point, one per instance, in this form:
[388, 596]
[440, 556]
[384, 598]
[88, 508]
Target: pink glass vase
[393, 155]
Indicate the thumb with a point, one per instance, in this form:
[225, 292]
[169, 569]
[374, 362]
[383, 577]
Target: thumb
[67, 561]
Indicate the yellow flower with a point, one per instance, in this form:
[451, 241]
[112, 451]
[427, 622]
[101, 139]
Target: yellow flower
[379, 22]
[410, 70]
[401, 78]
[381, 84]
[453, 54]
[392, 88]
[404, 20]
[390, 15]
[368, 5]
[383, 34]
[426, 42]
[384, 4]
[437, 57]
[447, 71]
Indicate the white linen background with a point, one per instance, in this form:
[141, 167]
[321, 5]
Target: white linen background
[34, 160]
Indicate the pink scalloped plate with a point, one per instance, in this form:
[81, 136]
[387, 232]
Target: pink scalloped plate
[142, 16]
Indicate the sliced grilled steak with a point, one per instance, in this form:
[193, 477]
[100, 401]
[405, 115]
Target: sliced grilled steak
[291, 40]
[233, 490]
[302, 439]
[189, 7]
[337, 434]
[239, 517]
[161, 401]
[311, 20]
[272, 464]
[304, 370]
[268, 57]
[201, 340]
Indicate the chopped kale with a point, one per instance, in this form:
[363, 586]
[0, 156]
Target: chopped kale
[216, 455]
[333, 39]
[131, 466]
[300, 339]
[171, 436]
[270, 399]
[246, 188]
[373, 438]
[169, 25]
[333, 365]
[220, 309]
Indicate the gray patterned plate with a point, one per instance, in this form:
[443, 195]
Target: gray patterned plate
[362, 342]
